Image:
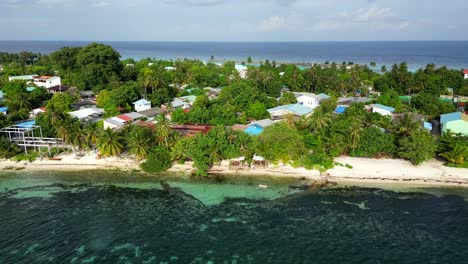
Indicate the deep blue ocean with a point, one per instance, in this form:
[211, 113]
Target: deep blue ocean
[103, 217]
[453, 54]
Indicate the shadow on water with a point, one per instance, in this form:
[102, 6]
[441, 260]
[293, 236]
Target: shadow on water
[180, 222]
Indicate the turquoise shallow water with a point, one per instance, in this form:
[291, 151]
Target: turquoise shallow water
[96, 217]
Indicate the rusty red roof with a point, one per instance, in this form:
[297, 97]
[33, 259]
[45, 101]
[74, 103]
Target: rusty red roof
[125, 118]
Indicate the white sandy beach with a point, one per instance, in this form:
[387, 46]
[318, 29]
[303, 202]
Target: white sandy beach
[378, 171]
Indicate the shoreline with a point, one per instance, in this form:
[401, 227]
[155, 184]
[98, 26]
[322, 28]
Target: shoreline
[379, 172]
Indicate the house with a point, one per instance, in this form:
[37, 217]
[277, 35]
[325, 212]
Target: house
[57, 89]
[169, 68]
[465, 73]
[114, 123]
[27, 78]
[351, 100]
[4, 110]
[456, 122]
[184, 102]
[152, 112]
[120, 121]
[37, 111]
[310, 100]
[142, 105]
[47, 81]
[87, 114]
[297, 110]
[86, 95]
[383, 110]
[323, 96]
[256, 128]
[340, 109]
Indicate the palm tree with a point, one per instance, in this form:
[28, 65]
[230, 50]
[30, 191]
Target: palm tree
[406, 125]
[65, 129]
[355, 133]
[79, 137]
[456, 155]
[110, 143]
[139, 143]
[163, 130]
[92, 132]
[18, 102]
[319, 120]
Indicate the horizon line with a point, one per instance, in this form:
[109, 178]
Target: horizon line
[230, 41]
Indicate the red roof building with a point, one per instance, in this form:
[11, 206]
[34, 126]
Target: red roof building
[125, 118]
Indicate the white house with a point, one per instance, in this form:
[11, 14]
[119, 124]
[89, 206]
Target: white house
[169, 68]
[37, 111]
[47, 81]
[383, 110]
[310, 101]
[465, 72]
[120, 121]
[87, 113]
[142, 105]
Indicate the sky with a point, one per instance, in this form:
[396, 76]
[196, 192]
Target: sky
[233, 20]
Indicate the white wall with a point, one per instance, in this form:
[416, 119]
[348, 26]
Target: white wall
[466, 75]
[109, 125]
[51, 82]
[139, 108]
[382, 111]
[308, 101]
[278, 113]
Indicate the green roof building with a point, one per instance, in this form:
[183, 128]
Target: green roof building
[456, 122]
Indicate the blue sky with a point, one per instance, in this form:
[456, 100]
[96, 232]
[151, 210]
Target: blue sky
[234, 20]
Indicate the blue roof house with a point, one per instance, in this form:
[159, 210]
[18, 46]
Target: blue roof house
[256, 128]
[295, 109]
[383, 110]
[456, 122]
[340, 109]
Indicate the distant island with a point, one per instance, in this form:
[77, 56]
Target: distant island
[84, 107]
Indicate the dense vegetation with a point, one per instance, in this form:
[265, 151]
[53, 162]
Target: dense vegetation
[311, 142]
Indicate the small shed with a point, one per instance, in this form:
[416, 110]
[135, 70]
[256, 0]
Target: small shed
[142, 105]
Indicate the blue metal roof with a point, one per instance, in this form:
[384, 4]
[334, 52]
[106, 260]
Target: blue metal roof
[340, 109]
[26, 124]
[142, 102]
[323, 96]
[297, 109]
[450, 117]
[254, 130]
[3, 109]
[388, 108]
[428, 126]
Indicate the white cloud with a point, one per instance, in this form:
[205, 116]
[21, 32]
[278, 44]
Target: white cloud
[272, 23]
[374, 18]
[101, 4]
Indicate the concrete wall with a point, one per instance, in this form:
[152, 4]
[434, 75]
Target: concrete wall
[382, 111]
